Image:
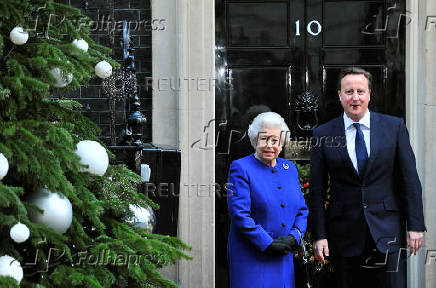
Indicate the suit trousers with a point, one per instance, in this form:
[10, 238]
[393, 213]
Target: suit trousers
[372, 269]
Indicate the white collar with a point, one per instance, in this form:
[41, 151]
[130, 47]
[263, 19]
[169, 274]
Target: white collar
[365, 121]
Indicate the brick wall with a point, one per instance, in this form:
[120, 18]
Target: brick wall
[93, 99]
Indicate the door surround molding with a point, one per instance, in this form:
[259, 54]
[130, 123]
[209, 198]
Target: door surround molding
[420, 119]
[186, 49]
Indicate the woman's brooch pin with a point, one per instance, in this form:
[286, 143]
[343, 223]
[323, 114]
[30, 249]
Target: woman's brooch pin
[286, 166]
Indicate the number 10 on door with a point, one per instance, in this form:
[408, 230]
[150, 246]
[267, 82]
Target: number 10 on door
[313, 28]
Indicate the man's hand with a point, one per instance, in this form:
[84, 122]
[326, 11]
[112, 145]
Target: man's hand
[321, 248]
[415, 239]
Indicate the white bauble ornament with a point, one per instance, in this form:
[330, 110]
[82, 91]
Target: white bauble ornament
[11, 267]
[19, 36]
[103, 69]
[4, 166]
[58, 211]
[143, 217]
[94, 155]
[62, 79]
[19, 233]
[81, 44]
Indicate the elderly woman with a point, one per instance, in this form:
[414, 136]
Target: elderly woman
[267, 210]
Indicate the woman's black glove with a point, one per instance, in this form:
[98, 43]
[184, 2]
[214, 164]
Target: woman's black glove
[278, 248]
[290, 241]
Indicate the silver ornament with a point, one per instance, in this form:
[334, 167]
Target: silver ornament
[58, 211]
[144, 217]
[19, 233]
[81, 44]
[103, 69]
[19, 36]
[62, 79]
[11, 267]
[4, 166]
[94, 155]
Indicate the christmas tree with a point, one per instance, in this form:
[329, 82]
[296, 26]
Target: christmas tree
[66, 217]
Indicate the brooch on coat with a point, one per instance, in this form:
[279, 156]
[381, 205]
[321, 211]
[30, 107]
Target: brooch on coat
[286, 166]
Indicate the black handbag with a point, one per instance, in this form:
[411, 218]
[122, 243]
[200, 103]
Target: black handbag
[302, 266]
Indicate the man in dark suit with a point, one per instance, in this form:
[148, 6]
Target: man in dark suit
[366, 161]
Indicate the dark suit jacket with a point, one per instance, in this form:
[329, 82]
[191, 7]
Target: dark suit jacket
[386, 199]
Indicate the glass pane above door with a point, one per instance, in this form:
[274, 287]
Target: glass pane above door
[258, 24]
[354, 23]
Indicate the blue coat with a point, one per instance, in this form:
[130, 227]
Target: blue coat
[264, 203]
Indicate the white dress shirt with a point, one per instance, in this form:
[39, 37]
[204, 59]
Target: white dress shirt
[350, 134]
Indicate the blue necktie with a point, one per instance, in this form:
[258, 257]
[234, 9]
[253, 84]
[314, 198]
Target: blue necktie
[361, 153]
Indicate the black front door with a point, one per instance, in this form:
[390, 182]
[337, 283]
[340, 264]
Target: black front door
[284, 56]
